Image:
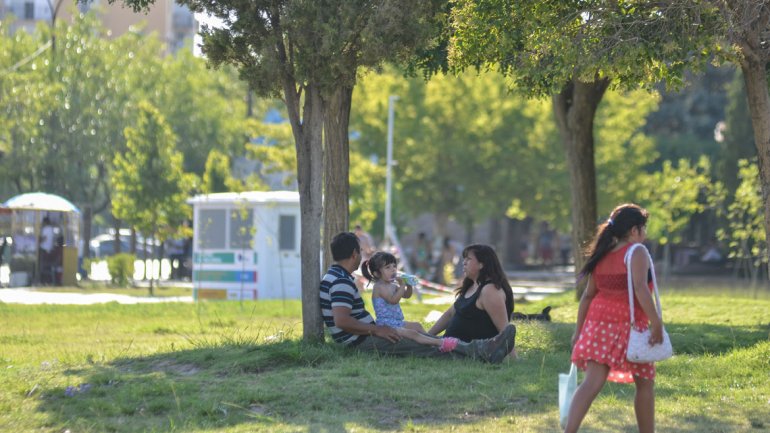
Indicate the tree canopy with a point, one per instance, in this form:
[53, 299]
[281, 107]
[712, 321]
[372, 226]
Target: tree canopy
[150, 187]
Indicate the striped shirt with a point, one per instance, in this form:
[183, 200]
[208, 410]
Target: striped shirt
[338, 289]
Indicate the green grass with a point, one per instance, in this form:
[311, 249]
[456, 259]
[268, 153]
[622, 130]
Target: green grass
[240, 367]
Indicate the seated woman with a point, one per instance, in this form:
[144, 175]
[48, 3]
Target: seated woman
[483, 303]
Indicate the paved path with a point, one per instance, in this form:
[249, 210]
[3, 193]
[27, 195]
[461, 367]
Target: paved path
[27, 296]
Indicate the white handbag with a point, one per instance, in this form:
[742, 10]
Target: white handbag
[567, 387]
[639, 348]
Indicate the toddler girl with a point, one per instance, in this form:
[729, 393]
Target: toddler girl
[387, 290]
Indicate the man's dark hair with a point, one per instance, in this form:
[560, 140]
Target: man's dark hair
[343, 246]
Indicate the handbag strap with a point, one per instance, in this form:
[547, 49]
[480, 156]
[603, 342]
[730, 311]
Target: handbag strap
[627, 259]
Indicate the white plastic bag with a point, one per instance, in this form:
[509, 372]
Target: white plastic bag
[567, 387]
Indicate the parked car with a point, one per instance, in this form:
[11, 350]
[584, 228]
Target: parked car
[104, 246]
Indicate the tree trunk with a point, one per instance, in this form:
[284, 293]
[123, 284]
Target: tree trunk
[308, 132]
[144, 256]
[336, 167]
[118, 246]
[85, 236]
[759, 106]
[575, 109]
[132, 242]
[153, 255]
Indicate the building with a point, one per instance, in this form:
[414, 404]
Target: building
[174, 24]
[246, 245]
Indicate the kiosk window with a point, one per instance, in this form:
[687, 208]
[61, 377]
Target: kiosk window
[211, 226]
[241, 228]
[287, 232]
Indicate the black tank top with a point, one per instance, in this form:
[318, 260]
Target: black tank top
[471, 323]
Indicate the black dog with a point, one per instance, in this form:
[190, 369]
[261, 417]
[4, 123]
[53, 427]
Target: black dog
[544, 315]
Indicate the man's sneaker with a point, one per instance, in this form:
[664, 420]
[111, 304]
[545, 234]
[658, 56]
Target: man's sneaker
[494, 350]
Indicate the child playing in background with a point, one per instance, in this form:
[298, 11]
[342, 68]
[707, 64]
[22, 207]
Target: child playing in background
[387, 291]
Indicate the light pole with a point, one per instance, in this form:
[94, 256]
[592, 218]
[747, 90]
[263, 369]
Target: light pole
[389, 170]
[390, 234]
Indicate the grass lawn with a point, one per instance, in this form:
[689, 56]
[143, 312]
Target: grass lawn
[240, 367]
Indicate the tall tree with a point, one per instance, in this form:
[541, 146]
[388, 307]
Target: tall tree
[745, 231]
[743, 30]
[85, 128]
[309, 52]
[495, 156]
[673, 195]
[26, 95]
[205, 108]
[150, 188]
[459, 145]
[79, 100]
[217, 177]
[737, 142]
[573, 51]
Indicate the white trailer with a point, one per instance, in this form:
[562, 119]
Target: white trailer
[246, 245]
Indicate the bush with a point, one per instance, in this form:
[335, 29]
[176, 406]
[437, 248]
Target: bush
[121, 268]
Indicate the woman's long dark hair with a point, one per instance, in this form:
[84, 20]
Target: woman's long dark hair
[622, 219]
[375, 264]
[491, 271]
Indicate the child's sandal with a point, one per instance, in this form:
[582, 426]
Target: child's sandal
[448, 344]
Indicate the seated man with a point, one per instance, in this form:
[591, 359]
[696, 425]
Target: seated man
[351, 325]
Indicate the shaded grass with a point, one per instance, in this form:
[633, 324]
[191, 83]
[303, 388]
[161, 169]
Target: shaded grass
[236, 367]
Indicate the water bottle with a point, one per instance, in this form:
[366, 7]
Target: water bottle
[409, 279]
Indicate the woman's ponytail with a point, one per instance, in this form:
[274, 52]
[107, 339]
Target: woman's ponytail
[604, 241]
[622, 219]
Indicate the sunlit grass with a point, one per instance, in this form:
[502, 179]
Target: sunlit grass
[240, 366]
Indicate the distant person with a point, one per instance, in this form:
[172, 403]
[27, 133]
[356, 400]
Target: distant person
[565, 246]
[47, 236]
[447, 259]
[351, 325]
[523, 252]
[387, 291]
[366, 242]
[176, 257]
[600, 341]
[483, 302]
[2, 249]
[421, 256]
[545, 245]
[47, 253]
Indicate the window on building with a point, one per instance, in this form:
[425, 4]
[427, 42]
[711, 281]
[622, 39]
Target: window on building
[29, 10]
[241, 228]
[287, 232]
[212, 228]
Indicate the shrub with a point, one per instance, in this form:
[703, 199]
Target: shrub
[121, 268]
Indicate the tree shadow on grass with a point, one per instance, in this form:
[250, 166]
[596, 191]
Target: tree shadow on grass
[285, 385]
[702, 338]
[292, 386]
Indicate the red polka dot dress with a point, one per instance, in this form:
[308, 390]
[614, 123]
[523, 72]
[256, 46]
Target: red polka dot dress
[604, 337]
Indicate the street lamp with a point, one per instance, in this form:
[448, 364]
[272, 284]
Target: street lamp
[390, 234]
[389, 171]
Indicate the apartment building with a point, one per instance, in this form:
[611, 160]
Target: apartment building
[174, 24]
